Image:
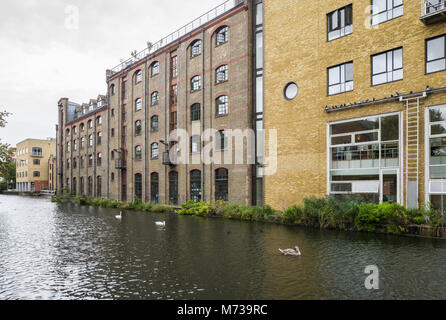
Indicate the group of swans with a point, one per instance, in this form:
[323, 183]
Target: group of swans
[287, 252]
[158, 223]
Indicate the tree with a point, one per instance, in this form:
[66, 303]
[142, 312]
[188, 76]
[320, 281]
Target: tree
[3, 116]
[5, 154]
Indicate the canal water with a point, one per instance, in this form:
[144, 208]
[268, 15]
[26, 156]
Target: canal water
[64, 251]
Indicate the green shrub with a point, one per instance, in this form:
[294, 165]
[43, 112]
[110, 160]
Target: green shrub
[367, 218]
[192, 208]
[314, 210]
[294, 214]
[56, 199]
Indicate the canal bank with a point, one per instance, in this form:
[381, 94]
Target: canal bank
[66, 251]
[321, 213]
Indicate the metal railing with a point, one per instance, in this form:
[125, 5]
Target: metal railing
[432, 6]
[191, 26]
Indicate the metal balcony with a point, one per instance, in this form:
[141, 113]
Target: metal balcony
[433, 11]
[167, 161]
[37, 154]
[120, 164]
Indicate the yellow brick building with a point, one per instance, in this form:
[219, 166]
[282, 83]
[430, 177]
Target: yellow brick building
[370, 110]
[32, 164]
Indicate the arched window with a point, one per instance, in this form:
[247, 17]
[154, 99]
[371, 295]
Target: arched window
[138, 104]
[98, 186]
[155, 150]
[221, 184]
[112, 89]
[113, 155]
[222, 35]
[90, 160]
[74, 163]
[173, 187]
[138, 185]
[138, 76]
[155, 98]
[221, 74]
[138, 127]
[90, 124]
[138, 153]
[195, 48]
[195, 112]
[99, 159]
[82, 162]
[82, 142]
[112, 176]
[154, 124]
[222, 106]
[99, 120]
[90, 140]
[154, 187]
[195, 83]
[155, 68]
[195, 185]
[90, 186]
[82, 127]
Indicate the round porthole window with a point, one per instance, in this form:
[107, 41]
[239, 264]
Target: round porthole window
[291, 90]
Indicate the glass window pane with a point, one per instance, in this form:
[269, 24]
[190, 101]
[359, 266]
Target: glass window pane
[435, 48]
[380, 5]
[437, 114]
[438, 129]
[334, 89]
[334, 20]
[437, 65]
[349, 72]
[259, 14]
[398, 75]
[379, 79]
[333, 75]
[259, 50]
[379, 63]
[398, 59]
[259, 95]
[390, 128]
[341, 140]
[366, 137]
[355, 126]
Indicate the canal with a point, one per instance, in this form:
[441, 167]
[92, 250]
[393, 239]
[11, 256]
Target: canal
[63, 251]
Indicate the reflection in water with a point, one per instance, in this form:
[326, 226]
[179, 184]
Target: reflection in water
[63, 251]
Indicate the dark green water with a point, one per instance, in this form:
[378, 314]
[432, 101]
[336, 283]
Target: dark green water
[62, 251]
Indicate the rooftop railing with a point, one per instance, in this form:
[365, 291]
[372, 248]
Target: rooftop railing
[433, 10]
[191, 26]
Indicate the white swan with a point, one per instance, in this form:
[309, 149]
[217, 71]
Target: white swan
[291, 252]
[119, 217]
[161, 224]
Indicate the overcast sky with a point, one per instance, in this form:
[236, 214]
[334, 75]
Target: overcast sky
[46, 55]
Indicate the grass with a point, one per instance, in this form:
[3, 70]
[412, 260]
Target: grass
[351, 214]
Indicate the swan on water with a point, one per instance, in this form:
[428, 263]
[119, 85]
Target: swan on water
[161, 224]
[291, 252]
[119, 217]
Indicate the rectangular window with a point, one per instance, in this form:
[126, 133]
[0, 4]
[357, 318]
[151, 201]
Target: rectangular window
[387, 67]
[174, 66]
[36, 174]
[340, 22]
[364, 155]
[174, 95]
[340, 78]
[384, 10]
[195, 144]
[436, 54]
[173, 120]
[222, 140]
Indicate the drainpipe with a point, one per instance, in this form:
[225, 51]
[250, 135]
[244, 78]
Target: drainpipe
[203, 174]
[146, 83]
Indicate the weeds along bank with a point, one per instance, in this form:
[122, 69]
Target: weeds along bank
[325, 213]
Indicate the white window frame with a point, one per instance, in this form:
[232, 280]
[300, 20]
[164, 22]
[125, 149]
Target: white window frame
[381, 171]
